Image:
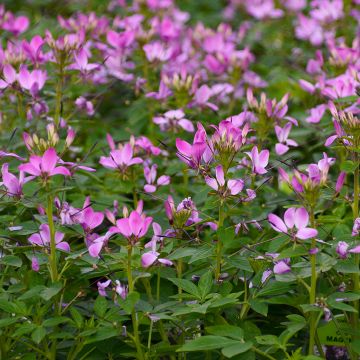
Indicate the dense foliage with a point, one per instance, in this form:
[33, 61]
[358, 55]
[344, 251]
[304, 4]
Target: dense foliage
[179, 180]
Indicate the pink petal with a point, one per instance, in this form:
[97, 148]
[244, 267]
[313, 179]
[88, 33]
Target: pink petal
[277, 224]
[63, 246]
[306, 233]
[301, 218]
[212, 183]
[60, 170]
[148, 259]
[289, 217]
[235, 186]
[220, 175]
[149, 188]
[281, 268]
[95, 248]
[48, 161]
[281, 149]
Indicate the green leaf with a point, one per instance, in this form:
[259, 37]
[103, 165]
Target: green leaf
[38, 334]
[205, 284]
[186, 285]
[231, 331]
[236, 349]
[23, 329]
[267, 340]
[206, 343]
[129, 303]
[274, 288]
[102, 334]
[100, 306]
[79, 320]
[259, 306]
[55, 321]
[11, 260]
[348, 166]
[32, 293]
[8, 321]
[50, 292]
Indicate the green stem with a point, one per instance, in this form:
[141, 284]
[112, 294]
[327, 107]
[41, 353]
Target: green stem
[134, 319]
[262, 353]
[219, 244]
[158, 285]
[355, 276]
[52, 256]
[179, 269]
[312, 299]
[59, 93]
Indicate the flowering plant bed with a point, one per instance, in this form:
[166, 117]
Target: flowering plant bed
[180, 180]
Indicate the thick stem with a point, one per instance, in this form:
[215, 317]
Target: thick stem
[52, 256]
[355, 276]
[312, 298]
[134, 319]
[219, 244]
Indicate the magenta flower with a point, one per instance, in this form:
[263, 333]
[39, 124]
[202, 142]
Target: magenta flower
[120, 159]
[13, 184]
[232, 186]
[201, 97]
[193, 154]
[151, 257]
[95, 243]
[9, 74]
[35, 266]
[281, 267]
[282, 134]
[294, 224]
[32, 81]
[44, 166]
[133, 227]
[121, 289]
[102, 287]
[32, 49]
[82, 63]
[259, 160]
[150, 177]
[42, 238]
[342, 249]
[356, 227]
[316, 114]
[174, 120]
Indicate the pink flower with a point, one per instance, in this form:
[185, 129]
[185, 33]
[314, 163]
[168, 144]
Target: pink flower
[342, 249]
[9, 76]
[121, 289]
[96, 245]
[133, 227]
[174, 119]
[282, 134]
[218, 184]
[356, 227]
[35, 264]
[150, 176]
[44, 166]
[201, 97]
[82, 63]
[294, 219]
[281, 267]
[259, 160]
[151, 257]
[192, 154]
[120, 159]
[102, 287]
[42, 238]
[11, 182]
[32, 49]
[316, 114]
[32, 81]
[85, 105]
